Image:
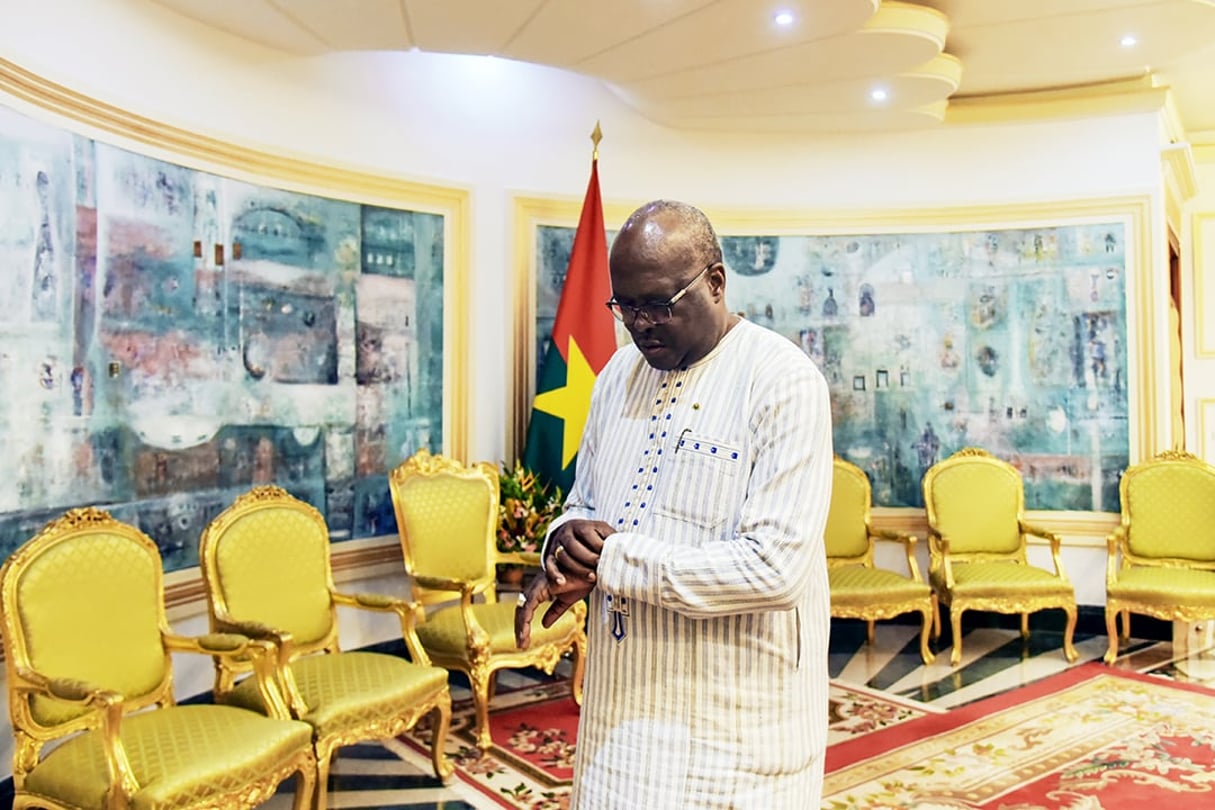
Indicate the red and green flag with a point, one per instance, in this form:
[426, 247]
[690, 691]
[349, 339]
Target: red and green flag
[584, 337]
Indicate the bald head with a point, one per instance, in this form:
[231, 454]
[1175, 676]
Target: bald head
[667, 232]
[667, 257]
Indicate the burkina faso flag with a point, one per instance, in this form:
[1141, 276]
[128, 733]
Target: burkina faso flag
[584, 337]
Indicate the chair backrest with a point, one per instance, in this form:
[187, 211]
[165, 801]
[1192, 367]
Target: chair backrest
[1168, 508]
[976, 501]
[447, 516]
[266, 559]
[847, 532]
[84, 600]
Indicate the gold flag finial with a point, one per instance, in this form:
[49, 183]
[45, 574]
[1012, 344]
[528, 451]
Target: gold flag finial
[596, 137]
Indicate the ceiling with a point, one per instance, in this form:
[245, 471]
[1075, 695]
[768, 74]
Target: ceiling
[726, 65]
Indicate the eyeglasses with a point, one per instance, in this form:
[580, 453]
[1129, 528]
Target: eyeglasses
[653, 313]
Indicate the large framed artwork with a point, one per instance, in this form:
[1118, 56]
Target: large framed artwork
[1023, 330]
[184, 320]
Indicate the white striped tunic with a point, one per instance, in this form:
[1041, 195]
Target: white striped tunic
[717, 478]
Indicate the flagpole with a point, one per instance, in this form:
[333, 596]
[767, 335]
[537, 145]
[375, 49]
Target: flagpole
[596, 137]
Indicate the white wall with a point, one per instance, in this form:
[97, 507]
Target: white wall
[499, 128]
[1199, 372]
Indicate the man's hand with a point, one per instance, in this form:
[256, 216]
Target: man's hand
[539, 591]
[573, 551]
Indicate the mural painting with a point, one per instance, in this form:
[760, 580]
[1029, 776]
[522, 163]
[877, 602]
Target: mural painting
[1013, 340]
[173, 337]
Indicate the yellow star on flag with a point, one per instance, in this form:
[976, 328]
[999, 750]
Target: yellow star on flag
[572, 402]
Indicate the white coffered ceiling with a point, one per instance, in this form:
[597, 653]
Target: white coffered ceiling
[726, 65]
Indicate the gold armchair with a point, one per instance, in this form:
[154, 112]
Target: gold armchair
[977, 536]
[860, 590]
[265, 561]
[87, 656]
[1162, 555]
[447, 516]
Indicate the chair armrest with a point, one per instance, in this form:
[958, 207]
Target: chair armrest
[269, 665]
[942, 548]
[891, 534]
[1113, 545]
[444, 584]
[70, 690]
[108, 704]
[1056, 543]
[409, 614]
[229, 626]
[908, 541]
[1038, 531]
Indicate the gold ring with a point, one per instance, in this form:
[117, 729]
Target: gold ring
[557, 551]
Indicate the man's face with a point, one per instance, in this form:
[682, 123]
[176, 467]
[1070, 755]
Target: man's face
[692, 328]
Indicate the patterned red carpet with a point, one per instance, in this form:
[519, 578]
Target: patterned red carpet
[534, 729]
[1090, 738]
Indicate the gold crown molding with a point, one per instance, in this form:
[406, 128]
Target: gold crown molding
[1180, 170]
[1106, 98]
[333, 180]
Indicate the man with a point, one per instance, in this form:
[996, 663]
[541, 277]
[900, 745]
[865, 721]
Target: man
[695, 525]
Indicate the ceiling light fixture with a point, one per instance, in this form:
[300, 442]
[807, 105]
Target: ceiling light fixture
[879, 94]
[783, 18]
[1129, 41]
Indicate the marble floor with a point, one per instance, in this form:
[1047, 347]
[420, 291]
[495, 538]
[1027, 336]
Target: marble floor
[994, 660]
[393, 777]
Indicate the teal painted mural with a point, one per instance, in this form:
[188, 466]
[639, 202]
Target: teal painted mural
[1014, 340]
[172, 337]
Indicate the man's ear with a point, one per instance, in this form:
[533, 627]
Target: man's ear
[717, 280]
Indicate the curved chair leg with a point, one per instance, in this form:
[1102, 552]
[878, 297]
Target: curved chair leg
[936, 617]
[441, 724]
[1126, 625]
[955, 623]
[869, 632]
[1069, 649]
[479, 680]
[1111, 630]
[579, 667]
[1024, 625]
[305, 787]
[925, 653]
[320, 796]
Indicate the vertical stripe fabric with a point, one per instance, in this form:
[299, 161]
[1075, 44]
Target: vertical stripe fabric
[717, 478]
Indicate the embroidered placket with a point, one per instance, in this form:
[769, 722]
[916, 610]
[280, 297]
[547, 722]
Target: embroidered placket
[645, 480]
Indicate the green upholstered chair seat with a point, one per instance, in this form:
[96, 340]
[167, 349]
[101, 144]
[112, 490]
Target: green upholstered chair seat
[443, 632]
[352, 689]
[1002, 580]
[1172, 585]
[180, 755]
[857, 582]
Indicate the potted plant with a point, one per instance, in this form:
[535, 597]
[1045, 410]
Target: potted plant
[525, 509]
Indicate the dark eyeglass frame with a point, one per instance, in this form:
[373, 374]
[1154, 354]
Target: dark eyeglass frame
[654, 313]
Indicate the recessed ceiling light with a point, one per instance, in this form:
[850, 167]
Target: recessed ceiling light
[1129, 41]
[783, 18]
[879, 94]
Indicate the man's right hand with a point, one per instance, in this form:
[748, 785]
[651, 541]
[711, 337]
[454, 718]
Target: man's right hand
[573, 551]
